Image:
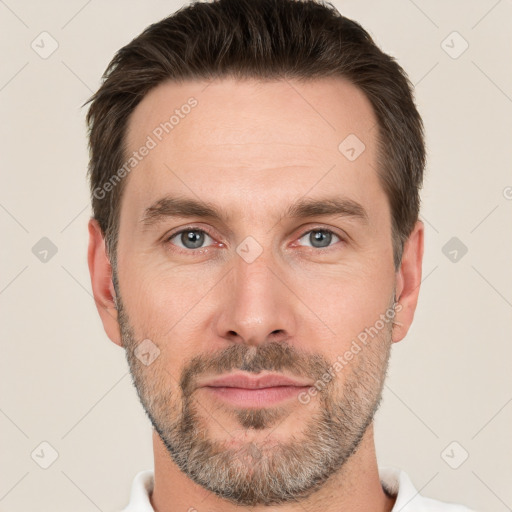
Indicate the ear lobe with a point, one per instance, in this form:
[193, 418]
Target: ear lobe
[408, 281]
[101, 281]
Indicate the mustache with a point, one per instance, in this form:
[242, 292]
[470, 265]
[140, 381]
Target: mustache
[271, 356]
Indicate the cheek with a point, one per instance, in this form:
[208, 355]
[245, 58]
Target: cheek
[164, 300]
[348, 303]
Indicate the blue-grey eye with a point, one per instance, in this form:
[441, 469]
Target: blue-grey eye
[190, 238]
[320, 238]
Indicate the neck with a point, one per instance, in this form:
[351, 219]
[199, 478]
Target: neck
[356, 486]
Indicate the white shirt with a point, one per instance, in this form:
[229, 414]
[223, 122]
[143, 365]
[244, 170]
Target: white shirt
[394, 480]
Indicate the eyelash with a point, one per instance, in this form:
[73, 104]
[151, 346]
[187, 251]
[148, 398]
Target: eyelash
[201, 250]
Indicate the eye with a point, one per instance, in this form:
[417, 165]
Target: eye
[320, 238]
[189, 238]
[192, 239]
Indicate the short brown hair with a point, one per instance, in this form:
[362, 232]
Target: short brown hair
[262, 39]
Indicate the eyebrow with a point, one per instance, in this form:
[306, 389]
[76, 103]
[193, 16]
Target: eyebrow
[170, 207]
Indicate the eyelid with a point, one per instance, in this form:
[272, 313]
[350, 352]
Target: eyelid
[178, 231]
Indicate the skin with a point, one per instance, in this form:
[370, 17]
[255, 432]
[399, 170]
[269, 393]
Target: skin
[254, 148]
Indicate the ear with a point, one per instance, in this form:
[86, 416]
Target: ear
[101, 281]
[408, 280]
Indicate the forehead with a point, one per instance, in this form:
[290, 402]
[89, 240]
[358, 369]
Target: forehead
[231, 140]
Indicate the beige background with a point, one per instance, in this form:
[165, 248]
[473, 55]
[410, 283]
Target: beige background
[65, 383]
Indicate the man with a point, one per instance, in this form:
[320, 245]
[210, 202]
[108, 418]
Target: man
[255, 248]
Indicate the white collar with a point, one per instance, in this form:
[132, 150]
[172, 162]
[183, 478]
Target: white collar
[395, 481]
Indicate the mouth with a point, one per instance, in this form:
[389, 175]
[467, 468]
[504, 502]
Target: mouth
[248, 391]
[262, 397]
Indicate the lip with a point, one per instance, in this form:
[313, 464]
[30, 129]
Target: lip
[262, 397]
[248, 391]
[244, 381]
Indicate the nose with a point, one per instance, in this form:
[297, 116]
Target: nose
[256, 303]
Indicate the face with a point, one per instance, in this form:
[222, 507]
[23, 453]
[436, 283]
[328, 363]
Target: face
[264, 281]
